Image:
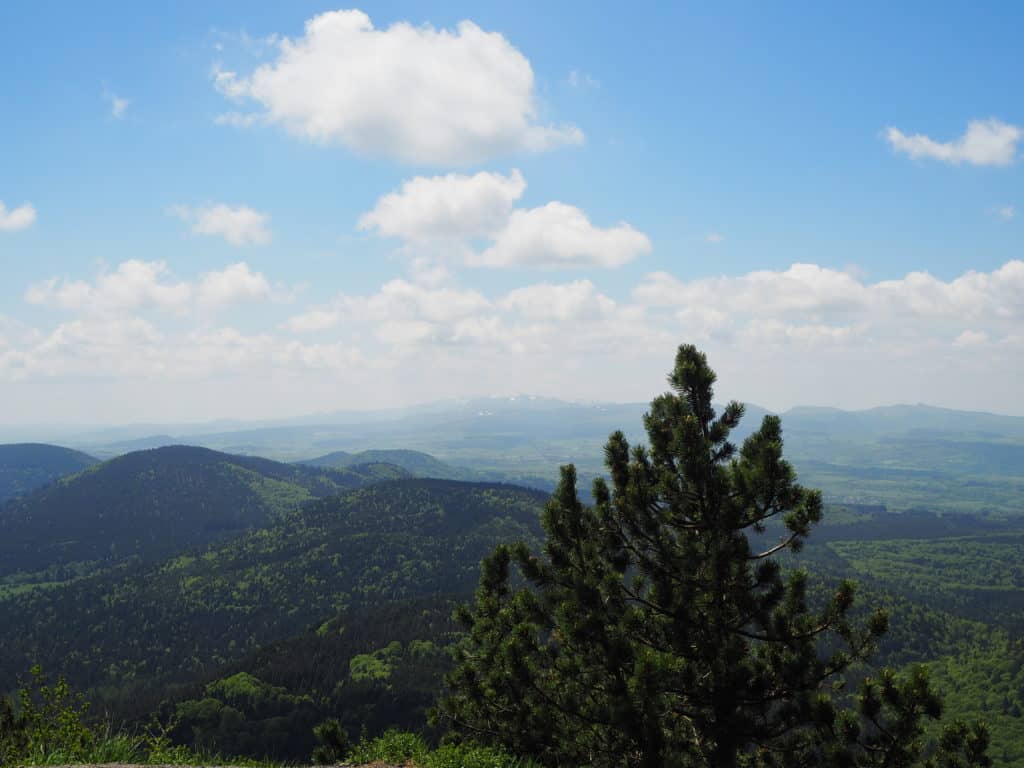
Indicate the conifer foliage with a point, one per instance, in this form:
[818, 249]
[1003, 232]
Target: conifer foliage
[656, 629]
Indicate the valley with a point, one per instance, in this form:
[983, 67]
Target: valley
[243, 601]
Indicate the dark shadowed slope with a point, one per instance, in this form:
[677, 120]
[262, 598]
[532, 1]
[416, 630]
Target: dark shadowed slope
[27, 466]
[151, 504]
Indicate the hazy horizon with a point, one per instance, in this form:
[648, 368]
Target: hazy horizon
[196, 427]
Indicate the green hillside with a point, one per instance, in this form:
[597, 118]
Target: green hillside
[140, 626]
[151, 504]
[25, 467]
[341, 608]
[416, 463]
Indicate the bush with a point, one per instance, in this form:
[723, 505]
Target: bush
[400, 747]
[392, 747]
[48, 726]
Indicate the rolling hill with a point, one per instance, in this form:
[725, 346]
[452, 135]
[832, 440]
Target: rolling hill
[151, 504]
[27, 466]
[902, 456]
[416, 463]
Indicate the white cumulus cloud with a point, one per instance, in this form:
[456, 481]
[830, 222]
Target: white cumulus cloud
[985, 142]
[418, 94]
[236, 282]
[447, 216]
[132, 285]
[14, 219]
[239, 225]
[444, 208]
[813, 302]
[559, 235]
[137, 285]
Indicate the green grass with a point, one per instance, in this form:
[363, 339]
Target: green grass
[136, 749]
[402, 747]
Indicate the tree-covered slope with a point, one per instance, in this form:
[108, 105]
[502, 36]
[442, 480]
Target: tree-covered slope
[27, 466]
[150, 504]
[142, 625]
[375, 667]
[416, 463]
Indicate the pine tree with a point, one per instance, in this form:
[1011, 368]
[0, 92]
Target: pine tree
[651, 631]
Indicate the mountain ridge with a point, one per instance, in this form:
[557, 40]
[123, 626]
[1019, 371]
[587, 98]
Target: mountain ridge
[152, 503]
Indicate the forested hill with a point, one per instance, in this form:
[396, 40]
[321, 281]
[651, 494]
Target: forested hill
[416, 463]
[147, 626]
[27, 466]
[151, 504]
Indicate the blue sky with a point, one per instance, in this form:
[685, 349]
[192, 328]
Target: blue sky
[184, 185]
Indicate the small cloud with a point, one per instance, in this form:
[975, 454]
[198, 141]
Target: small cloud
[22, 217]
[239, 225]
[714, 237]
[242, 41]
[118, 104]
[558, 236]
[985, 142]
[1007, 212]
[577, 79]
[971, 339]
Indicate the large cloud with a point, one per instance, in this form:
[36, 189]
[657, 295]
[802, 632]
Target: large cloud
[22, 217]
[418, 94]
[444, 216]
[986, 142]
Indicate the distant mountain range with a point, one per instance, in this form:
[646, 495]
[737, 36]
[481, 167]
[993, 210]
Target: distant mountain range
[901, 456]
